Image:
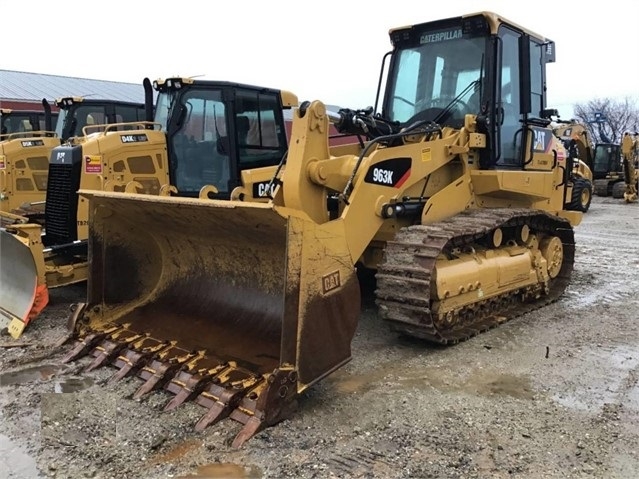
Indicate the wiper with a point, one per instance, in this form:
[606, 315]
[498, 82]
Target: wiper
[448, 108]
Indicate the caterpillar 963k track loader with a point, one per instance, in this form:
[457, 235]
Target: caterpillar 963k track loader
[24, 156]
[212, 139]
[457, 200]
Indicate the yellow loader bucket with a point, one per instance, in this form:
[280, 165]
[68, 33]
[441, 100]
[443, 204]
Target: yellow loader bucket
[238, 306]
[21, 295]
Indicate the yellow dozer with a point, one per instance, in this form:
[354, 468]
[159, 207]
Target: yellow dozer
[630, 154]
[578, 143]
[457, 200]
[24, 154]
[26, 139]
[209, 139]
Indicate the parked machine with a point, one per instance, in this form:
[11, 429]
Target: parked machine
[27, 137]
[608, 170]
[578, 143]
[457, 201]
[26, 121]
[211, 139]
[630, 152]
[24, 155]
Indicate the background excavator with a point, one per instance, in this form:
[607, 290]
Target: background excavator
[608, 170]
[24, 156]
[630, 152]
[578, 143]
[457, 201]
[212, 139]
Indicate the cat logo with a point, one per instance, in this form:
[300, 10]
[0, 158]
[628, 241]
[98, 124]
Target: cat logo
[330, 282]
[92, 164]
[261, 190]
[542, 139]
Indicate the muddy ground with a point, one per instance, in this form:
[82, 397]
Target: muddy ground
[550, 394]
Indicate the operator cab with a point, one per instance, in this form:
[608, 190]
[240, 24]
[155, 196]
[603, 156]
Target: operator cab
[76, 113]
[607, 160]
[479, 65]
[23, 121]
[215, 130]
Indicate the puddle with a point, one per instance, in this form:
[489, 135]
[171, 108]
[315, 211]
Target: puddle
[478, 382]
[14, 462]
[483, 383]
[178, 451]
[31, 374]
[225, 470]
[592, 389]
[503, 385]
[349, 382]
[72, 384]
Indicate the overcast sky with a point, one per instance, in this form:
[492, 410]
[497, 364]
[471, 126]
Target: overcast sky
[329, 50]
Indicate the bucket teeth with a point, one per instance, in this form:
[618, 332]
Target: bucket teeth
[156, 374]
[128, 362]
[224, 388]
[187, 385]
[83, 347]
[250, 429]
[222, 401]
[104, 353]
[270, 402]
[139, 353]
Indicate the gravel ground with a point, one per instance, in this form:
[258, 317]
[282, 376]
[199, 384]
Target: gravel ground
[550, 394]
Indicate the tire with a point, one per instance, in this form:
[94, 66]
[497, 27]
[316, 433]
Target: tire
[618, 190]
[581, 195]
[601, 188]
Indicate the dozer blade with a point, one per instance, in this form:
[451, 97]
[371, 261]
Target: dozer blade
[22, 296]
[236, 306]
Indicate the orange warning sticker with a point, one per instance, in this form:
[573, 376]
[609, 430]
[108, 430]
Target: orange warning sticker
[92, 164]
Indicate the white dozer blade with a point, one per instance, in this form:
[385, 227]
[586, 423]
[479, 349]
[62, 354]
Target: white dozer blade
[18, 282]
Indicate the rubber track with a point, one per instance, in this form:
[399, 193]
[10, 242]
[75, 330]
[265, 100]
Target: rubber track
[404, 277]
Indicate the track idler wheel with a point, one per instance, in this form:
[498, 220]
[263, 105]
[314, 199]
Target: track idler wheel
[553, 250]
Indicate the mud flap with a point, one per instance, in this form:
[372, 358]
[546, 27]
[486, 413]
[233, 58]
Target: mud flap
[231, 295]
[22, 295]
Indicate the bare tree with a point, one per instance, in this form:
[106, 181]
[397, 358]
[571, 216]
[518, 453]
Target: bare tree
[608, 119]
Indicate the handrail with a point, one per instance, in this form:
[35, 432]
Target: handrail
[27, 134]
[105, 128]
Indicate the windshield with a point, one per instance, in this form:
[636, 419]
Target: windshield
[442, 72]
[606, 159]
[15, 123]
[199, 142]
[62, 118]
[162, 107]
